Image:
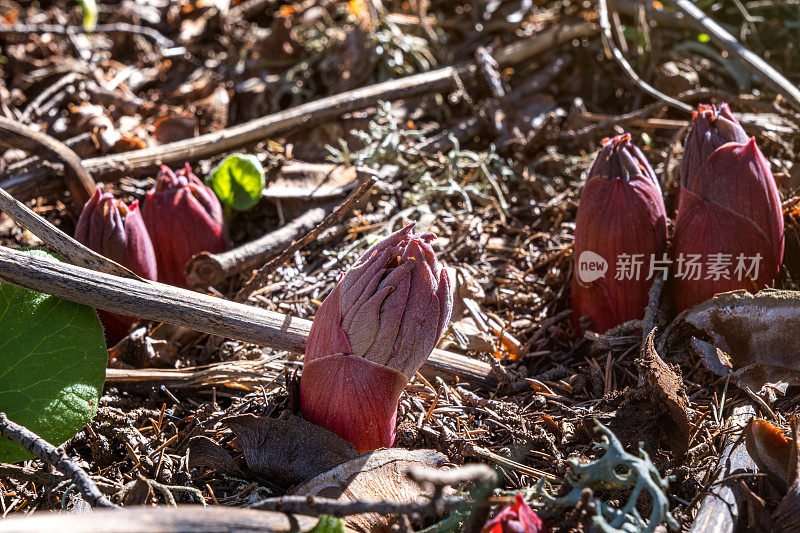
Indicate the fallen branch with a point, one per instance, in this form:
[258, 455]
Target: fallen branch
[164, 303]
[207, 269]
[52, 456]
[58, 29]
[720, 510]
[181, 519]
[315, 506]
[25, 185]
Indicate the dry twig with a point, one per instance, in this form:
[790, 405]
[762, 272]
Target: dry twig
[50, 455]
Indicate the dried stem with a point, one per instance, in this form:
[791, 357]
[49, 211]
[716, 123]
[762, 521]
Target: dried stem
[727, 42]
[58, 241]
[52, 456]
[614, 53]
[16, 135]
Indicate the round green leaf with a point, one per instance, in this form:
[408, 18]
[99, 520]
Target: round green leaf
[53, 361]
[238, 181]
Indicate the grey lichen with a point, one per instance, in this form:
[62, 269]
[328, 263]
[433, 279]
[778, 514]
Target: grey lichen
[616, 469]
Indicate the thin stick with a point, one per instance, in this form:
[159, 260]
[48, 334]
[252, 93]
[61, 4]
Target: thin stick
[613, 52]
[16, 135]
[305, 115]
[50, 455]
[727, 42]
[257, 280]
[181, 307]
[58, 241]
[119, 27]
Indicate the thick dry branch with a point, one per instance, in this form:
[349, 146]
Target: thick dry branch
[16, 135]
[24, 185]
[52, 456]
[181, 519]
[207, 269]
[165, 303]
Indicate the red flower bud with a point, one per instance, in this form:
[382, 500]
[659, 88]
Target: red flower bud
[710, 129]
[371, 334]
[621, 221]
[517, 518]
[730, 223]
[117, 231]
[184, 218]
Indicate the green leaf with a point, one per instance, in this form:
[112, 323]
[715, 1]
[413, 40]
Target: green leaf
[238, 181]
[89, 14]
[328, 524]
[53, 361]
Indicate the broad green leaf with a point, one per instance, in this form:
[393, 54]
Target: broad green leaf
[328, 524]
[238, 181]
[89, 8]
[52, 365]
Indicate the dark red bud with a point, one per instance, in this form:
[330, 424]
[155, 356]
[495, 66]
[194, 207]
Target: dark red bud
[184, 218]
[621, 219]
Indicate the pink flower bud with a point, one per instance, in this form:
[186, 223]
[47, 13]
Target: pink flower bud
[371, 334]
[517, 518]
[710, 129]
[184, 218]
[117, 231]
[621, 222]
[729, 224]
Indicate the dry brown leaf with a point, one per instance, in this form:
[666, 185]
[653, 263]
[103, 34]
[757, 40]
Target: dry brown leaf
[311, 180]
[377, 475]
[752, 338]
[288, 451]
[140, 494]
[175, 128]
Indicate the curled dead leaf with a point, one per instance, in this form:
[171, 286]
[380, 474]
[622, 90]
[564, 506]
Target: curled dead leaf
[377, 475]
[786, 517]
[288, 451]
[204, 452]
[751, 338]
